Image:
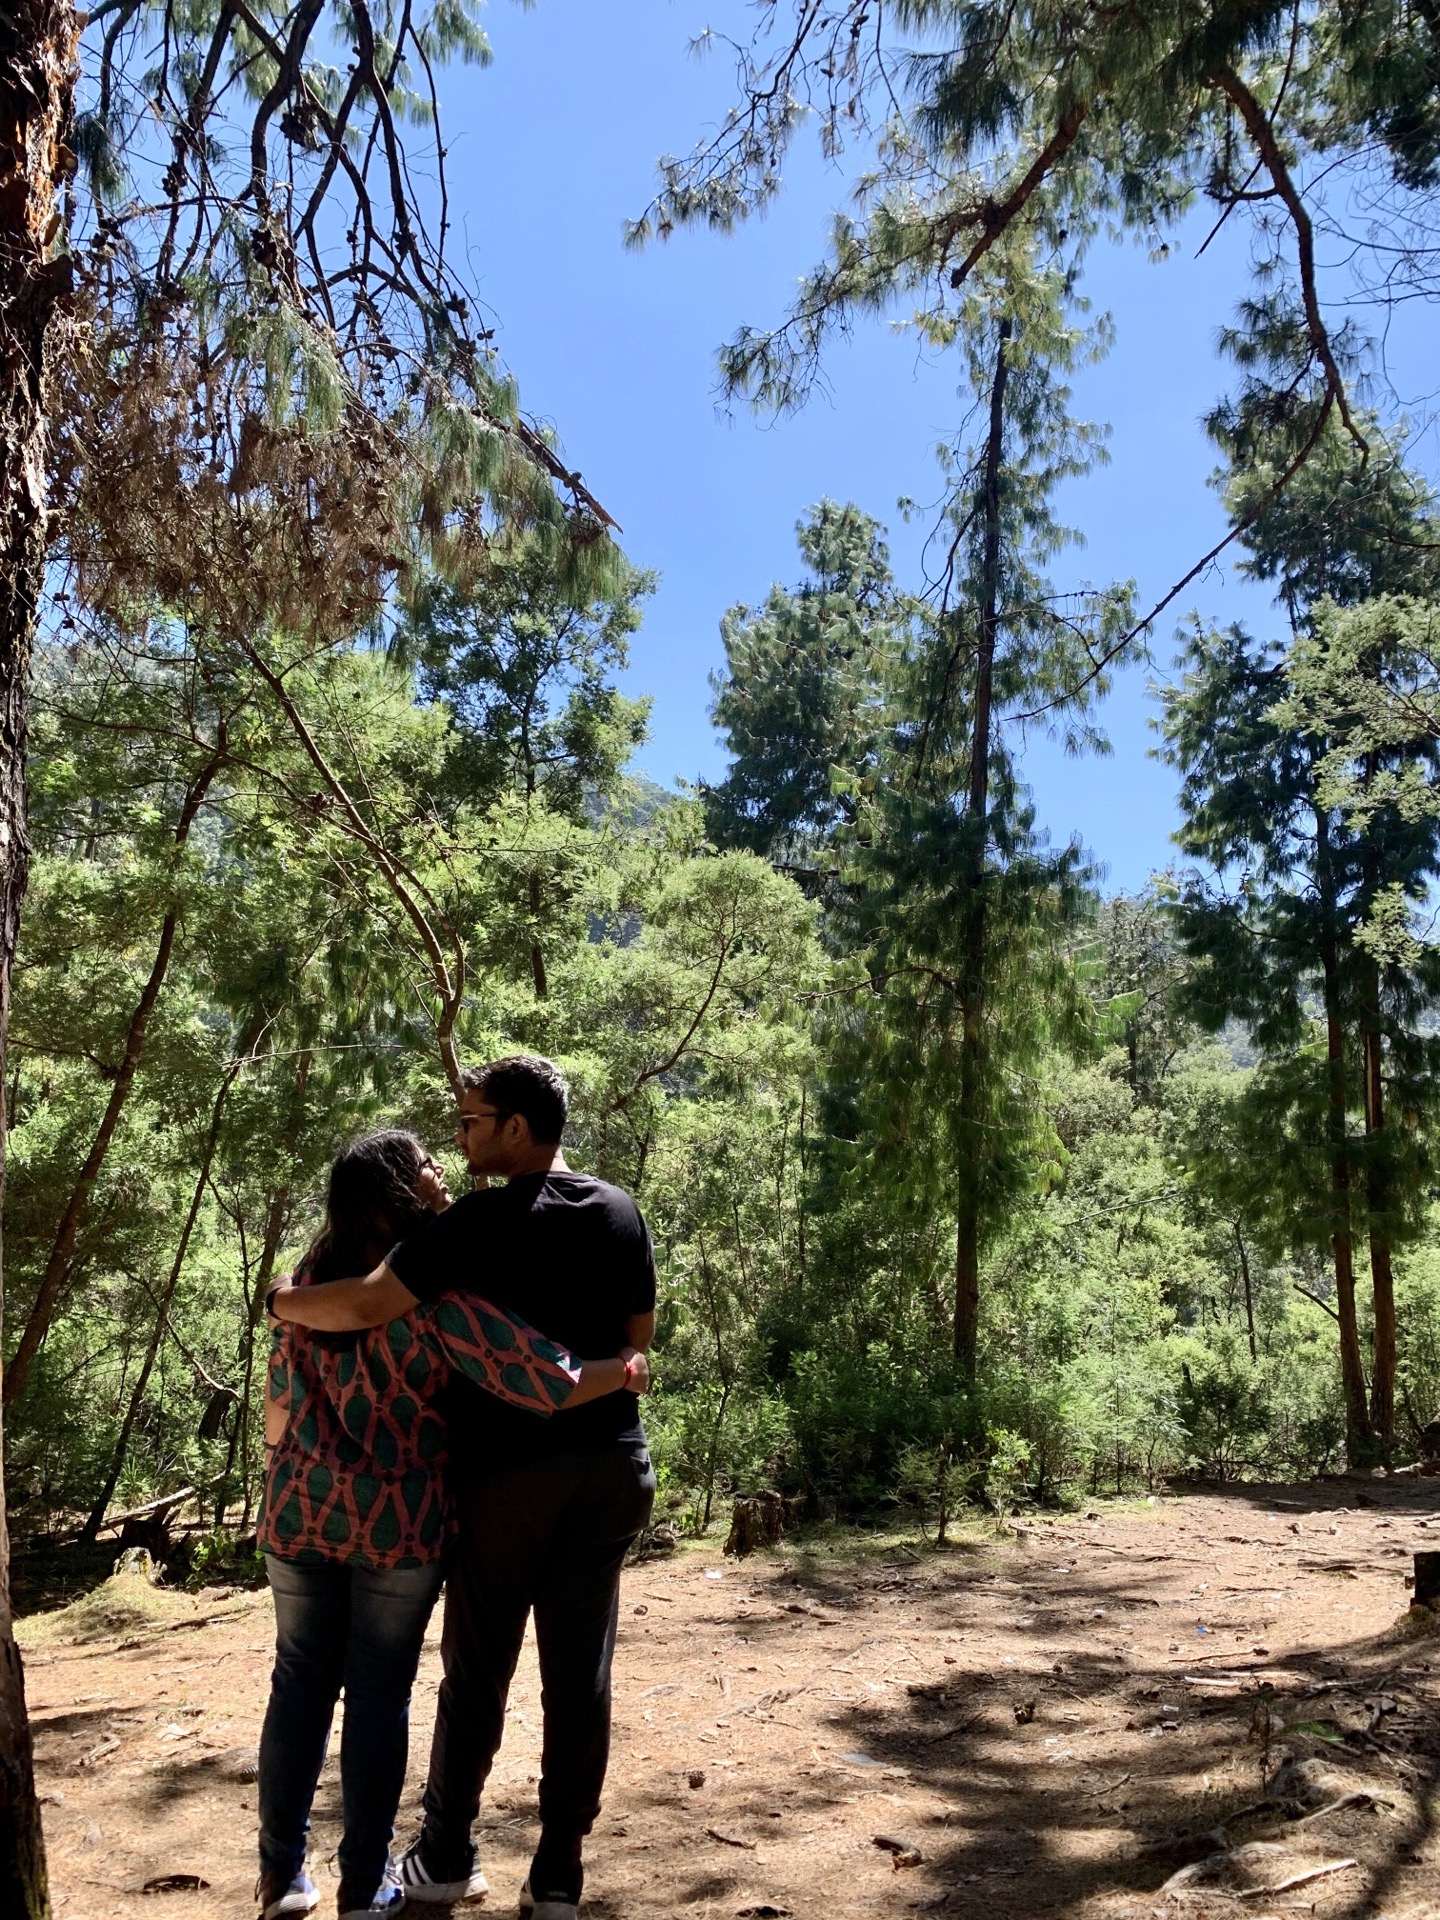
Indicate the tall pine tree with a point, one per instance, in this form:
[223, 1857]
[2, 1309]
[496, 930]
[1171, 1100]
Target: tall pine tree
[1301, 887]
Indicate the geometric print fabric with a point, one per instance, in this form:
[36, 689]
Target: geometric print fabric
[359, 1475]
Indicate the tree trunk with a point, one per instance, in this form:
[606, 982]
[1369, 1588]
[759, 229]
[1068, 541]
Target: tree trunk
[177, 1267]
[62, 1251]
[1249, 1292]
[967, 1275]
[1382, 1278]
[537, 952]
[727, 1382]
[1358, 1442]
[804, 1199]
[38, 42]
[972, 1045]
[447, 975]
[275, 1222]
[239, 1447]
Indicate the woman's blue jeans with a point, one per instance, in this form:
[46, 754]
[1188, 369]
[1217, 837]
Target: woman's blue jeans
[340, 1627]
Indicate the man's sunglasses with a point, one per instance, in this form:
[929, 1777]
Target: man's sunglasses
[485, 1113]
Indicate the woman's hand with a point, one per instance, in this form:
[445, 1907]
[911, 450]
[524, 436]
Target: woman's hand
[625, 1372]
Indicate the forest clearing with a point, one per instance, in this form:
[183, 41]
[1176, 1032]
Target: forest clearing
[610, 903]
[1053, 1722]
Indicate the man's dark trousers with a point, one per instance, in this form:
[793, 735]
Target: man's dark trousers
[548, 1535]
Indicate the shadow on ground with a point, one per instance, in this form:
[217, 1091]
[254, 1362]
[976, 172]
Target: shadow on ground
[1209, 1763]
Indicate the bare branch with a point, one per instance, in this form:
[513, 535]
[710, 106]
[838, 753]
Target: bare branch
[1128, 638]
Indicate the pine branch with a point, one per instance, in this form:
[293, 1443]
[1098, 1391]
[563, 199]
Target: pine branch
[1262, 133]
[992, 216]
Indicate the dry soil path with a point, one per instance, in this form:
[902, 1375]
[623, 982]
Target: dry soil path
[1152, 1710]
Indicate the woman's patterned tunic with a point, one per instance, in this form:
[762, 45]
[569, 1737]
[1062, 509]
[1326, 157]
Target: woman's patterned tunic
[359, 1475]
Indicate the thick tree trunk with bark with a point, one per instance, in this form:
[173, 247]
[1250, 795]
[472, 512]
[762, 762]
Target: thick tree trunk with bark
[38, 40]
[62, 1250]
[972, 1045]
[37, 46]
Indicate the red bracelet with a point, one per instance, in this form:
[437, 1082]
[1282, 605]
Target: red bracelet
[630, 1372]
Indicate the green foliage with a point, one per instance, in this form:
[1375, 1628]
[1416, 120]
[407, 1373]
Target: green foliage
[800, 702]
[523, 666]
[775, 1076]
[219, 1555]
[967, 126]
[1224, 1407]
[320, 871]
[1418, 1288]
[952, 1201]
[1009, 1462]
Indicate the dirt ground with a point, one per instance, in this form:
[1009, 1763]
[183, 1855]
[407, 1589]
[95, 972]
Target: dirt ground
[1151, 1709]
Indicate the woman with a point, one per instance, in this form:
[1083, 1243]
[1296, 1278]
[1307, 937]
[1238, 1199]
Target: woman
[355, 1519]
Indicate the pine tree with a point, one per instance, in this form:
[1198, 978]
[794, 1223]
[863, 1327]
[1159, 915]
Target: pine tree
[1348, 665]
[1266, 790]
[960, 913]
[263, 173]
[1269, 922]
[800, 704]
[525, 666]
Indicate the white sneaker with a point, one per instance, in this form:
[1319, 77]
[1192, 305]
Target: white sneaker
[389, 1897]
[276, 1899]
[420, 1884]
[547, 1909]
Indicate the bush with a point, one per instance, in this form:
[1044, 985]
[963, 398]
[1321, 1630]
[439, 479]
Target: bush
[855, 1418]
[711, 1443]
[1224, 1405]
[1417, 1301]
[220, 1557]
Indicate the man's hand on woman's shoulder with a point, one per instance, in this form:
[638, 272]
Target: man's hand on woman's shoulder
[344, 1306]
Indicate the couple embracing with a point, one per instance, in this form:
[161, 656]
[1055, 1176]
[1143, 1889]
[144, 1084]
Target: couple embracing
[452, 1394]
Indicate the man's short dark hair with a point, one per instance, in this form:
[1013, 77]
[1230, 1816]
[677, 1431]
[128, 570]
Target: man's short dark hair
[523, 1083]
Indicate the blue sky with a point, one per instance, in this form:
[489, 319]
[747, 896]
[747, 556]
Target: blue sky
[553, 147]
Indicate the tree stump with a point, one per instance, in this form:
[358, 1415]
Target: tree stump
[758, 1521]
[1427, 1580]
[138, 1560]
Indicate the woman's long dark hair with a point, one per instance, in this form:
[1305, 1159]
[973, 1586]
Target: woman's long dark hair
[370, 1204]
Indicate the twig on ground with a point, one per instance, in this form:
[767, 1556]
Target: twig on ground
[1299, 1879]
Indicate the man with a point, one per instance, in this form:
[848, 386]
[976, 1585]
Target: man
[545, 1519]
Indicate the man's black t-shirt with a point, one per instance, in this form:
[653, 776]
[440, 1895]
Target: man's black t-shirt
[571, 1255]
